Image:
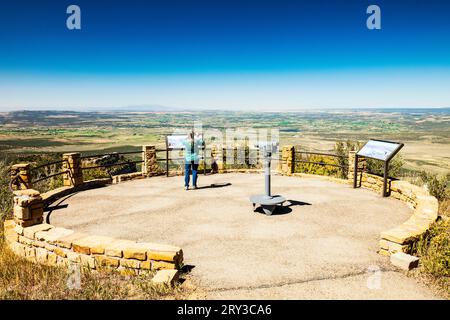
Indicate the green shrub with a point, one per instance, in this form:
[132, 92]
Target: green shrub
[444, 207]
[244, 160]
[377, 166]
[433, 249]
[97, 173]
[342, 150]
[5, 193]
[323, 170]
[438, 186]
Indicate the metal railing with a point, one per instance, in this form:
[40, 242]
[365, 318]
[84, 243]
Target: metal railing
[250, 159]
[331, 155]
[109, 165]
[167, 159]
[13, 180]
[111, 154]
[41, 177]
[47, 176]
[204, 155]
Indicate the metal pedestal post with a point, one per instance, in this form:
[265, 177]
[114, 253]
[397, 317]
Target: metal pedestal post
[267, 202]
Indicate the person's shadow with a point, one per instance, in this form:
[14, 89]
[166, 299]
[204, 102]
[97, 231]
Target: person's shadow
[285, 209]
[215, 185]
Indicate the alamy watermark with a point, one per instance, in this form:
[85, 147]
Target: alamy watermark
[373, 281]
[374, 20]
[73, 21]
[236, 146]
[74, 277]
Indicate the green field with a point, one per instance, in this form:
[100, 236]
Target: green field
[425, 132]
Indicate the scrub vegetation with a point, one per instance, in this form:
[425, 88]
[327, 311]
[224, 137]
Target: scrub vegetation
[338, 166]
[434, 246]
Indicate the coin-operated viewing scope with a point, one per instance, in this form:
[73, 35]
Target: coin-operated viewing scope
[268, 202]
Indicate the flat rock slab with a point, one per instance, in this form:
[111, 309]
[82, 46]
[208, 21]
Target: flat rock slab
[404, 261]
[321, 243]
[168, 277]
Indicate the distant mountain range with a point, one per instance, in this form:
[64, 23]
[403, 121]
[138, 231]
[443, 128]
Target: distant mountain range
[140, 108]
[161, 108]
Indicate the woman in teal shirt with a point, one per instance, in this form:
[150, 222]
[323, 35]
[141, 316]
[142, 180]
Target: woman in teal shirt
[191, 157]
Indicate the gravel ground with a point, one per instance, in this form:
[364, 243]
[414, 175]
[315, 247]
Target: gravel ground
[321, 245]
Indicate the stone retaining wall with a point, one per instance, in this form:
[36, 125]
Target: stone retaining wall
[29, 237]
[127, 177]
[425, 207]
[49, 245]
[374, 182]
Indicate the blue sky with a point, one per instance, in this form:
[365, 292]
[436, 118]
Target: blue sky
[245, 55]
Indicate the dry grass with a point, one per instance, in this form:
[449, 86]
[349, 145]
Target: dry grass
[444, 208]
[21, 279]
[433, 248]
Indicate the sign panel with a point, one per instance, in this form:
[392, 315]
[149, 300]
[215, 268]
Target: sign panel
[271, 146]
[380, 150]
[176, 141]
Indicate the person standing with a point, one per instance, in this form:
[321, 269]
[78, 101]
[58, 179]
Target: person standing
[191, 156]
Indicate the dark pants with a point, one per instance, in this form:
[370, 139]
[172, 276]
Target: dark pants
[187, 169]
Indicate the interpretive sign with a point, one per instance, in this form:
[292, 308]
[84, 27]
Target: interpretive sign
[175, 142]
[380, 150]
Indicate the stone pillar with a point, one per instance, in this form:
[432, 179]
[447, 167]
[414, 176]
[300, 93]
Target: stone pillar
[221, 159]
[351, 165]
[72, 165]
[247, 155]
[287, 160]
[217, 159]
[253, 157]
[213, 159]
[150, 165]
[28, 208]
[22, 172]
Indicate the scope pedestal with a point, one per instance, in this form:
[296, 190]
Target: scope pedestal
[267, 202]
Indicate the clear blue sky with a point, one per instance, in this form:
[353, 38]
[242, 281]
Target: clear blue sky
[230, 54]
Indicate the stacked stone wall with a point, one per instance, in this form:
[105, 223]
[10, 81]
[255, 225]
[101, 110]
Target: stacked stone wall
[29, 237]
[425, 207]
[425, 212]
[54, 246]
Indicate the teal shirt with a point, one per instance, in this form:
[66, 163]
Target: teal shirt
[189, 154]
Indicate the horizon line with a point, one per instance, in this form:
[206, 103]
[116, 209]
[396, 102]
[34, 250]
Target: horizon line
[181, 109]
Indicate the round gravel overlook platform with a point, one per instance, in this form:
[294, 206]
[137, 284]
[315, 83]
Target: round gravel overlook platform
[322, 244]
